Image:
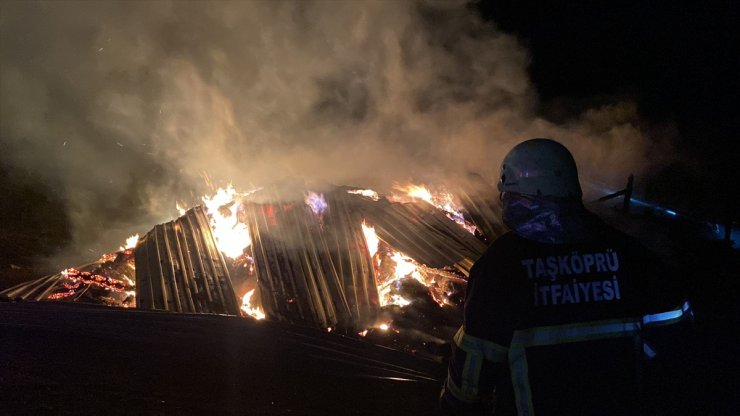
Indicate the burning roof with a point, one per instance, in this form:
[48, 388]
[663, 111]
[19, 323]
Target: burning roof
[391, 268]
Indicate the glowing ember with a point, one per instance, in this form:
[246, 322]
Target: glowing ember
[384, 326]
[247, 308]
[367, 193]
[111, 291]
[316, 202]
[130, 242]
[232, 236]
[442, 200]
[362, 333]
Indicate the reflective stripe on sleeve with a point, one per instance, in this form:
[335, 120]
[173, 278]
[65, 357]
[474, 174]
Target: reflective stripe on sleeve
[520, 380]
[490, 350]
[587, 331]
[552, 335]
[669, 317]
[476, 351]
[458, 392]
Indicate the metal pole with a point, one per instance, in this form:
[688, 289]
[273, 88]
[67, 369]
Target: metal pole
[628, 194]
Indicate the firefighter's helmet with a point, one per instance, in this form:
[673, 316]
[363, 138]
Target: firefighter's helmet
[540, 167]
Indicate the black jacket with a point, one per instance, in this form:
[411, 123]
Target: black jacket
[563, 328]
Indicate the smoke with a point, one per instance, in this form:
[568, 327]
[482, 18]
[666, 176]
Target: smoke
[124, 107]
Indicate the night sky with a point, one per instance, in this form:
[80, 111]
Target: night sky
[677, 60]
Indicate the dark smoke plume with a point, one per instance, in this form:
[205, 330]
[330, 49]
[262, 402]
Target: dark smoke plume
[123, 108]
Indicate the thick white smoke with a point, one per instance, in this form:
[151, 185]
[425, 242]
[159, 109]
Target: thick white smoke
[125, 106]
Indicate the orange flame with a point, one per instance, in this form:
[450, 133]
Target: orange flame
[388, 280]
[371, 238]
[247, 308]
[130, 243]
[441, 199]
[232, 236]
[367, 193]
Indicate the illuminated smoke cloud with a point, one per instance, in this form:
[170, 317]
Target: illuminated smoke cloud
[125, 106]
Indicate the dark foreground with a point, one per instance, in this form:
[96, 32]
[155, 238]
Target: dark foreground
[75, 359]
[78, 359]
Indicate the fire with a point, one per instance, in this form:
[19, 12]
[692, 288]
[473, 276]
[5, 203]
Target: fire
[416, 192]
[78, 282]
[232, 236]
[442, 199]
[386, 326]
[247, 308]
[130, 242]
[316, 202]
[371, 238]
[404, 267]
[381, 326]
[367, 193]
[392, 267]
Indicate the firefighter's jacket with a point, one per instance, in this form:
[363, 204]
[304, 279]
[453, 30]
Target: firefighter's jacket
[563, 329]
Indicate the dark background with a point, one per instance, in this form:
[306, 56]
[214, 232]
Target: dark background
[677, 60]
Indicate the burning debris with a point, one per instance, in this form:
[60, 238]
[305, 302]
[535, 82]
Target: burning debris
[107, 281]
[390, 269]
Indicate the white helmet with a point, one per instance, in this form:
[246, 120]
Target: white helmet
[540, 167]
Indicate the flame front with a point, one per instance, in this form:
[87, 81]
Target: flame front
[256, 312]
[441, 199]
[416, 192]
[232, 236]
[130, 242]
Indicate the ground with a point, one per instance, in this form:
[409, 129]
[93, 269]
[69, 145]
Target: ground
[80, 359]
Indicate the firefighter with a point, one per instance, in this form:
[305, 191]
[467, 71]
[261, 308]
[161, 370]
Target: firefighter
[563, 314]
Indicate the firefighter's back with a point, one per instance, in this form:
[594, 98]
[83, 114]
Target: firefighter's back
[577, 316]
